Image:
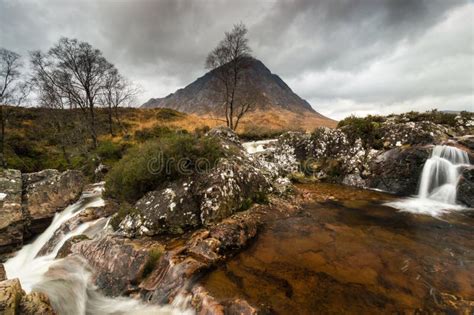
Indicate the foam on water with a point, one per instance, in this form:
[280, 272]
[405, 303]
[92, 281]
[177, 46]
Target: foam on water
[67, 281]
[438, 183]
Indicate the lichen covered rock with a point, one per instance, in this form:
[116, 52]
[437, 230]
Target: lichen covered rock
[203, 198]
[466, 187]
[14, 301]
[48, 192]
[12, 220]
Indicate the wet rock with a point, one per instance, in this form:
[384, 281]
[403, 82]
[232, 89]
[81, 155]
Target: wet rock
[240, 307]
[467, 141]
[465, 192]
[66, 249]
[206, 250]
[205, 304]
[14, 301]
[118, 262]
[172, 274]
[236, 231]
[3, 274]
[86, 215]
[48, 192]
[12, 220]
[10, 296]
[36, 303]
[398, 170]
[180, 267]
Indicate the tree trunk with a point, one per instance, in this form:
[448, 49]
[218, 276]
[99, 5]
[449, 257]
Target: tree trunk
[2, 137]
[119, 122]
[92, 123]
[110, 121]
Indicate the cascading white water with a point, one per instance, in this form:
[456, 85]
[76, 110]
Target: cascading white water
[68, 281]
[441, 172]
[438, 183]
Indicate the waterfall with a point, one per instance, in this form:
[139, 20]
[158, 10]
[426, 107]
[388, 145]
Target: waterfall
[68, 281]
[438, 183]
[440, 174]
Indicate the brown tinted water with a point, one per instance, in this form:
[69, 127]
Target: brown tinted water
[351, 254]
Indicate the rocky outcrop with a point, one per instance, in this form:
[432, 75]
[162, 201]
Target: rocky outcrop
[48, 192]
[29, 201]
[13, 300]
[12, 219]
[159, 271]
[398, 170]
[386, 153]
[466, 187]
[118, 262]
[36, 303]
[86, 215]
[178, 268]
[204, 198]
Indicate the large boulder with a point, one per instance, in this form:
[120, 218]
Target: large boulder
[12, 220]
[13, 300]
[466, 187]
[10, 296]
[179, 267]
[398, 170]
[118, 263]
[48, 192]
[168, 210]
[396, 133]
[204, 198]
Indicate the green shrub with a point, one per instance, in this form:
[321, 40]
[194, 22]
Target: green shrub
[156, 131]
[435, 116]
[145, 167]
[108, 150]
[365, 128]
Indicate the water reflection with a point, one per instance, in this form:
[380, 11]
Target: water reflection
[346, 252]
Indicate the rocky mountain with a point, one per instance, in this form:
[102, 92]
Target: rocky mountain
[200, 97]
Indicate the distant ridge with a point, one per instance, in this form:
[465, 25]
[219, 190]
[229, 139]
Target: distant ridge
[200, 97]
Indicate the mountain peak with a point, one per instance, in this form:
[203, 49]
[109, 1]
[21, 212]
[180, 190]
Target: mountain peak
[201, 98]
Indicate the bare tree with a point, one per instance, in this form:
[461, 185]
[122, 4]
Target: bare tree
[228, 61]
[13, 91]
[117, 92]
[76, 74]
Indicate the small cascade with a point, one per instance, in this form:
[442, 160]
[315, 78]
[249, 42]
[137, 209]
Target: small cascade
[68, 281]
[438, 183]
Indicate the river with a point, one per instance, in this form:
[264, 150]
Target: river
[346, 251]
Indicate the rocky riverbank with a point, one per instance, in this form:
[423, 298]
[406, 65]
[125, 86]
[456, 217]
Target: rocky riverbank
[157, 248]
[385, 153]
[29, 202]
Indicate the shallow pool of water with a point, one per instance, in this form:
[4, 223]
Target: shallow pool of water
[345, 252]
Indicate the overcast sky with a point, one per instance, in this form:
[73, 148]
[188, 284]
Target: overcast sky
[345, 57]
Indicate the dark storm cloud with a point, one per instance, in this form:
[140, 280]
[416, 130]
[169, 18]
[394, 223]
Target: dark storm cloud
[357, 55]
